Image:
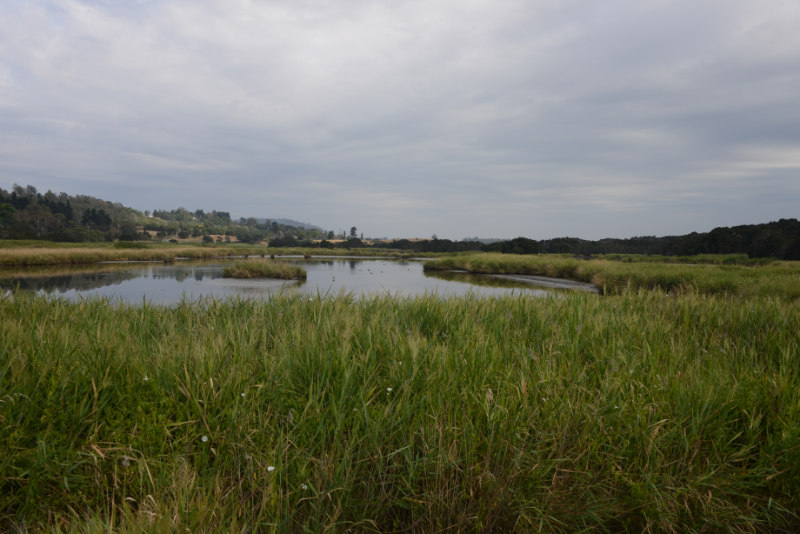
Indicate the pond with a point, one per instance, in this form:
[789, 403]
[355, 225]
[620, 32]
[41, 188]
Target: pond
[170, 283]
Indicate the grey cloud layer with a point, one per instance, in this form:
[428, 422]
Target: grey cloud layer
[537, 118]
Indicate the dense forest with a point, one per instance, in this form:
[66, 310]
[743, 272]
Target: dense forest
[27, 214]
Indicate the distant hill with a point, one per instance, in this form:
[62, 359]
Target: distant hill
[290, 222]
[25, 213]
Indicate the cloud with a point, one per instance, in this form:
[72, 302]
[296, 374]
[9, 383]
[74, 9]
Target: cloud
[453, 117]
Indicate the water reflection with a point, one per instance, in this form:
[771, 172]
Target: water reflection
[169, 283]
[510, 281]
[63, 279]
[477, 279]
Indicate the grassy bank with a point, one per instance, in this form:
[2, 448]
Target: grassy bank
[264, 269]
[779, 279]
[627, 412]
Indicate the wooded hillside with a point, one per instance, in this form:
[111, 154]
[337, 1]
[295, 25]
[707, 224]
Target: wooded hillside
[27, 214]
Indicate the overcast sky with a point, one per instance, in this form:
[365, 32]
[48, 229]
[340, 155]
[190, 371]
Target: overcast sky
[535, 118]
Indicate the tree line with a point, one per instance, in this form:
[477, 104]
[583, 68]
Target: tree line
[778, 239]
[25, 213]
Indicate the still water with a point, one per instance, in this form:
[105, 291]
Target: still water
[170, 283]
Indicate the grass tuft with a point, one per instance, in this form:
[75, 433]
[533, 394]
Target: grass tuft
[264, 269]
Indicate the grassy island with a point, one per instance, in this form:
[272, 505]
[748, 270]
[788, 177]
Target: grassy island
[264, 269]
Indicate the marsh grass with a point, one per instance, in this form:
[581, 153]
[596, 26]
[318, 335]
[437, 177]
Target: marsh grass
[713, 259]
[780, 279]
[634, 411]
[264, 269]
[30, 256]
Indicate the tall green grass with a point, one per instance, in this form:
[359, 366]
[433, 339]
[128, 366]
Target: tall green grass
[631, 412]
[780, 279]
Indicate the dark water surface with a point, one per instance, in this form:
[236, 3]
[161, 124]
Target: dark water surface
[170, 283]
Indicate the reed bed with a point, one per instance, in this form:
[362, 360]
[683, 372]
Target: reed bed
[779, 279]
[28, 256]
[630, 412]
[248, 269]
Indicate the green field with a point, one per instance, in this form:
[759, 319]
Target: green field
[640, 409]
